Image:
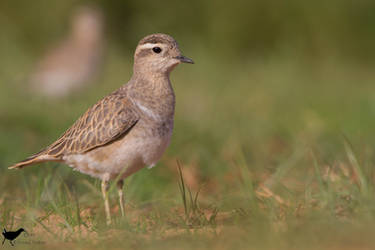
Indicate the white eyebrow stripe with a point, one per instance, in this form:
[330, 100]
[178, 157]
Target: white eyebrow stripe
[149, 45]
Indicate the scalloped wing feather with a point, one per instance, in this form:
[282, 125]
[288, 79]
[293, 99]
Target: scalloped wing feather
[109, 119]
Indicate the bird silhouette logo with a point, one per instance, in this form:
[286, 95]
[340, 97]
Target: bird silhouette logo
[12, 235]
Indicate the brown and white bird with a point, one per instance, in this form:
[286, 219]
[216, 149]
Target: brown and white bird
[74, 62]
[128, 129]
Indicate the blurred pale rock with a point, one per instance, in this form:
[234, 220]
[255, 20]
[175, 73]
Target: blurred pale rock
[72, 64]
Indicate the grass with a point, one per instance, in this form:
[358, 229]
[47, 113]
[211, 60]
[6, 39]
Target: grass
[266, 154]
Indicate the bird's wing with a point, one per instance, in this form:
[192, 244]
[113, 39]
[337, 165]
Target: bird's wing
[109, 119]
[105, 122]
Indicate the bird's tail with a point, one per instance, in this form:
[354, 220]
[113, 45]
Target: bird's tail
[34, 159]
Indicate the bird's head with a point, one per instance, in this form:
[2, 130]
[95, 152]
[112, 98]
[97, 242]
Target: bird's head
[23, 230]
[158, 54]
[87, 25]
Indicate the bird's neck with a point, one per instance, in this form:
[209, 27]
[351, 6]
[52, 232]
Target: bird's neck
[154, 92]
[152, 85]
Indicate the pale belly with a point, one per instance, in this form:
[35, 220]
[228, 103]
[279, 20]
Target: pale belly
[123, 157]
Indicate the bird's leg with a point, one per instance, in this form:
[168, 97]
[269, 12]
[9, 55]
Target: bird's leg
[11, 243]
[120, 185]
[105, 187]
[3, 241]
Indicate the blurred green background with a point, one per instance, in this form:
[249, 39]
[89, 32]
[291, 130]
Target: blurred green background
[240, 29]
[273, 81]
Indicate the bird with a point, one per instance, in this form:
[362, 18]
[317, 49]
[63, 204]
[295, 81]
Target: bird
[74, 62]
[129, 128]
[12, 235]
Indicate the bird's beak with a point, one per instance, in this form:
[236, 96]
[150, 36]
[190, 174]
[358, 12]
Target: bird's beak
[184, 59]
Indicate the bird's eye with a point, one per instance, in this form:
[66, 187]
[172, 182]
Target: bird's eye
[156, 49]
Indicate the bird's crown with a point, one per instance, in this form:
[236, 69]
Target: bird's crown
[158, 38]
